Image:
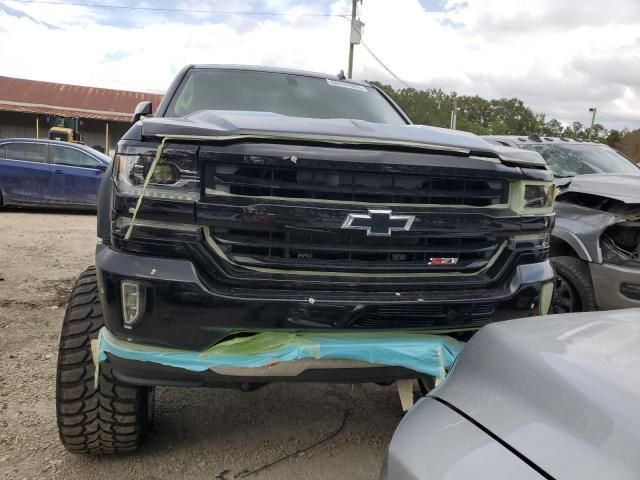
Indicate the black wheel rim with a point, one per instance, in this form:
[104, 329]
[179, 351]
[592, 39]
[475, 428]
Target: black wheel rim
[426, 384]
[565, 297]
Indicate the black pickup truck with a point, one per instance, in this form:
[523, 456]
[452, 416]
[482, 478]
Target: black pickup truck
[265, 200]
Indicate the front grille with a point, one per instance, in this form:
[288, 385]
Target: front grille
[353, 251]
[249, 225]
[426, 316]
[379, 187]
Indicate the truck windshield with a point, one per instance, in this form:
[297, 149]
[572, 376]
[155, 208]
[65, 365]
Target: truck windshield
[571, 160]
[286, 94]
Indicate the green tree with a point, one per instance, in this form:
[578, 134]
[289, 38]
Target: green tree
[475, 110]
[518, 118]
[578, 130]
[552, 128]
[613, 138]
[597, 133]
[629, 144]
[504, 116]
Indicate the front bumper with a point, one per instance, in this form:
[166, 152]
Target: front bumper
[182, 311]
[614, 286]
[135, 372]
[272, 356]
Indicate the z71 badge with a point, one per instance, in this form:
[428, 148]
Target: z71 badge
[443, 261]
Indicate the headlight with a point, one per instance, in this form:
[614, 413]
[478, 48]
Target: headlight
[538, 196]
[532, 196]
[174, 177]
[163, 174]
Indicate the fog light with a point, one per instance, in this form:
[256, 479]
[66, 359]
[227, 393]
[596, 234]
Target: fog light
[133, 301]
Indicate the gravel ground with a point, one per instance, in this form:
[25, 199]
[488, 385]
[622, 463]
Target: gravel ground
[198, 433]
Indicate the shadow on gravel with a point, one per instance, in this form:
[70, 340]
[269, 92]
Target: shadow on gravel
[311, 431]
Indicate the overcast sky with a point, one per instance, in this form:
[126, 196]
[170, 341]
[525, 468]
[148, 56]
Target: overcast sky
[559, 56]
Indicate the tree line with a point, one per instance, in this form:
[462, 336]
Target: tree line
[503, 116]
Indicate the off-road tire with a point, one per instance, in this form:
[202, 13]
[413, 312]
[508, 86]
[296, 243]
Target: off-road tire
[115, 417]
[579, 296]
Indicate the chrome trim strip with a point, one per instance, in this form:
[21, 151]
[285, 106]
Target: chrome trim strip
[220, 253]
[318, 138]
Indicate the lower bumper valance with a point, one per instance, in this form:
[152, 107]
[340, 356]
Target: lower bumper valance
[428, 354]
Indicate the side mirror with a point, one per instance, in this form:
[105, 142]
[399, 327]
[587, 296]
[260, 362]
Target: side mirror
[142, 110]
[101, 167]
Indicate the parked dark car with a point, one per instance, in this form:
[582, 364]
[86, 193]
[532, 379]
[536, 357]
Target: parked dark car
[48, 173]
[300, 209]
[595, 245]
[547, 398]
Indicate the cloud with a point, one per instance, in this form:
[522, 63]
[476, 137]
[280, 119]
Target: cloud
[491, 17]
[6, 9]
[559, 57]
[616, 69]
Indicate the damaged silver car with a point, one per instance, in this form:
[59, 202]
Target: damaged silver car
[595, 245]
[552, 397]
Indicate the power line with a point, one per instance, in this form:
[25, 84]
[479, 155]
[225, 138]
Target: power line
[375, 57]
[214, 12]
[383, 65]
[175, 10]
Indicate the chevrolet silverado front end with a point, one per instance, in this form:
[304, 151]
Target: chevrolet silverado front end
[276, 202]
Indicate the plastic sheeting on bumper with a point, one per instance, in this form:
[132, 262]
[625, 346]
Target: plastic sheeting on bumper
[424, 353]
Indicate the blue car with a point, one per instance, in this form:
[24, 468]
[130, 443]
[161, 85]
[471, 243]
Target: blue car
[49, 173]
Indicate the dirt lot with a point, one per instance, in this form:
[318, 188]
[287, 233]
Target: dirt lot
[199, 433]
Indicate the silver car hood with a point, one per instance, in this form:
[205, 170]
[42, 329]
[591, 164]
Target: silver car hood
[625, 188]
[562, 390]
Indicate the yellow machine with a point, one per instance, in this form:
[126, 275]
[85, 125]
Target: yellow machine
[66, 130]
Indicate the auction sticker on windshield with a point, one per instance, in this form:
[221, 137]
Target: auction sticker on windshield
[352, 86]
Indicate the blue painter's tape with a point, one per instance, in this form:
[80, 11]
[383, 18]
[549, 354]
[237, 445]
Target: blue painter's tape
[428, 354]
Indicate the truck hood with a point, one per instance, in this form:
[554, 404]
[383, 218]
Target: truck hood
[562, 390]
[265, 125]
[625, 188]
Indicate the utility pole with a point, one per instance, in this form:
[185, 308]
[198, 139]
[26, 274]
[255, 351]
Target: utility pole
[593, 121]
[355, 35]
[454, 113]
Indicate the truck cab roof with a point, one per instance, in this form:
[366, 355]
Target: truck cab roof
[261, 68]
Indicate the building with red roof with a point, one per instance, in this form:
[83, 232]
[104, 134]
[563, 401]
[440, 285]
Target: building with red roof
[27, 109]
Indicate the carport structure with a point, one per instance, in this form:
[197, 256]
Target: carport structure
[27, 109]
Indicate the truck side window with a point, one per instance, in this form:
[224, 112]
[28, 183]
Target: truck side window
[71, 157]
[27, 152]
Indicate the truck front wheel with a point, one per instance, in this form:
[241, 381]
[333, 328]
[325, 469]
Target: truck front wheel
[112, 418]
[574, 289]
